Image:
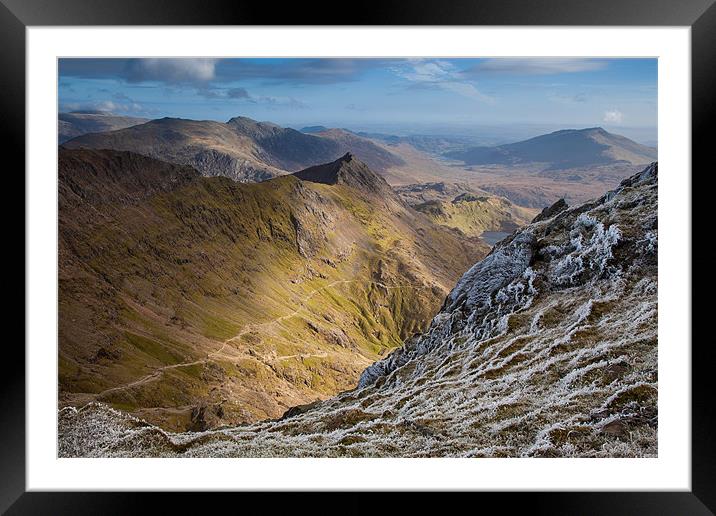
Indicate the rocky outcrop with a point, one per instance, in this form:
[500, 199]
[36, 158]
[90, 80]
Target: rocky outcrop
[346, 170]
[353, 173]
[550, 211]
[213, 163]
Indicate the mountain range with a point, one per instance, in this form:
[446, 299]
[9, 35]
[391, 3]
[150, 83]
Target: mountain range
[195, 302]
[572, 164]
[565, 149]
[547, 347]
[242, 149]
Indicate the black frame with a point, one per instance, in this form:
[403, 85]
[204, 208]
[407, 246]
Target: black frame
[700, 15]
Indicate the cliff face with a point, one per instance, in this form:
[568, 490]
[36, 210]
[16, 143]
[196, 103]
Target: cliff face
[547, 347]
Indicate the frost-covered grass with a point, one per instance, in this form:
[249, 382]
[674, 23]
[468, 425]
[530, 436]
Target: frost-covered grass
[547, 348]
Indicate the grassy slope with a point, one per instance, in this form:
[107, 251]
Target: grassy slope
[250, 297]
[476, 214]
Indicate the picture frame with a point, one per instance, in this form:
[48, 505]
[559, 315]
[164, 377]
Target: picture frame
[700, 15]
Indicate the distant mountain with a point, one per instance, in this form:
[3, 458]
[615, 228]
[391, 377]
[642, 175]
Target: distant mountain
[432, 144]
[242, 149]
[373, 155]
[311, 129]
[213, 148]
[285, 148]
[569, 148]
[195, 302]
[77, 123]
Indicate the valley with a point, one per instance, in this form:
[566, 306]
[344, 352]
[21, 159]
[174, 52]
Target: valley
[197, 302]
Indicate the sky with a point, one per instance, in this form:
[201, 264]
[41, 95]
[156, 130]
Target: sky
[401, 96]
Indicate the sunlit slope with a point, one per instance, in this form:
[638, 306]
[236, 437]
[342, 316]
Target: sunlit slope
[195, 302]
[475, 214]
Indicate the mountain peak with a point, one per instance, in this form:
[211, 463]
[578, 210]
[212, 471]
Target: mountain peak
[598, 130]
[562, 150]
[311, 129]
[347, 170]
[241, 120]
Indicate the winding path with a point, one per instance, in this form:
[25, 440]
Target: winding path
[157, 373]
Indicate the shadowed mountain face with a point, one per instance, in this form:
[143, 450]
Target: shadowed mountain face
[71, 125]
[285, 148]
[195, 302]
[545, 348]
[560, 150]
[376, 157]
[99, 178]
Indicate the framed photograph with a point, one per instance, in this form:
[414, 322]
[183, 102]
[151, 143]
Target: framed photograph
[414, 250]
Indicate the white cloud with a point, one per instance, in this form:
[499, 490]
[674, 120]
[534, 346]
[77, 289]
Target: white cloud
[440, 74]
[613, 117]
[466, 90]
[172, 70]
[104, 106]
[279, 102]
[538, 66]
[429, 71]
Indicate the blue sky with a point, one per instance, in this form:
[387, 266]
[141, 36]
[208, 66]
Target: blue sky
[400, 95]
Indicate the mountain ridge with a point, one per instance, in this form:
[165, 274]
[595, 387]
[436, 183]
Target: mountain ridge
[546, 348]
[375, 156]
[242, 149]
[195, 302]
